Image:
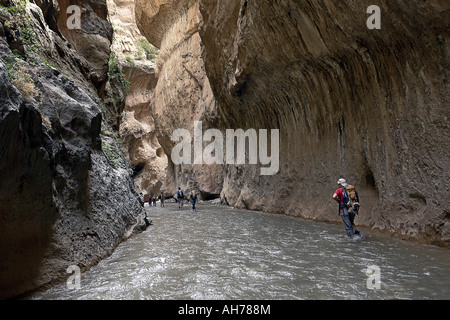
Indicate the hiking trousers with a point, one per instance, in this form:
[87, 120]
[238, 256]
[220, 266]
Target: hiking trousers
[348, 219]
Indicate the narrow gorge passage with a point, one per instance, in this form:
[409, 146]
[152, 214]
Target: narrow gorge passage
[222, 253]
[258, 105]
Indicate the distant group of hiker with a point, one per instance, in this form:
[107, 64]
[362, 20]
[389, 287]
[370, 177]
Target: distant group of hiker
[192, 198]
[152, 199]
[179, 198]
[346, 195]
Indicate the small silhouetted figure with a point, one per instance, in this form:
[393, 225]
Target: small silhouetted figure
[193, 198]
[180, 198]
[161, 198]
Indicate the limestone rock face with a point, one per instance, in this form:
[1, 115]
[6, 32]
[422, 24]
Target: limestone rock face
[138, 132]
[66, 194]
[126, 33]
[183, 93]
[92, 41]
[137, 129]
[367, 105]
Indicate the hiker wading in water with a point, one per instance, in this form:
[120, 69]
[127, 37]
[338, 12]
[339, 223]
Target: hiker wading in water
[193, 198]
[180, 198]
[348, 216]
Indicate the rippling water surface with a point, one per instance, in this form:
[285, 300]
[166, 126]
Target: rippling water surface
[224, 253]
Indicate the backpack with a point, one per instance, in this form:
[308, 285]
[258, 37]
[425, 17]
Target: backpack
[180, 194]
[350, 197]
[351, 191]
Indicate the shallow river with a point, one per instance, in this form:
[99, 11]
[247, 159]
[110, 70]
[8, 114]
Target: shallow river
[224, 253]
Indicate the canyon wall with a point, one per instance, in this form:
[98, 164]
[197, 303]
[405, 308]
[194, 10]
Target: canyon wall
[183, 91]
[367, 105]
[66, 193]
[137, 129]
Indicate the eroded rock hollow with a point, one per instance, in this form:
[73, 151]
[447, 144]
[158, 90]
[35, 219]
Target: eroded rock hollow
[349, 101]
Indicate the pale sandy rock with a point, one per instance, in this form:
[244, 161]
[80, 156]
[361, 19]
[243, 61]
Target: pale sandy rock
[137, 128]
[183, 93]
[126, 33]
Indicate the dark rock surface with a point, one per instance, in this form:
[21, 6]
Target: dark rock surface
[66, 193]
